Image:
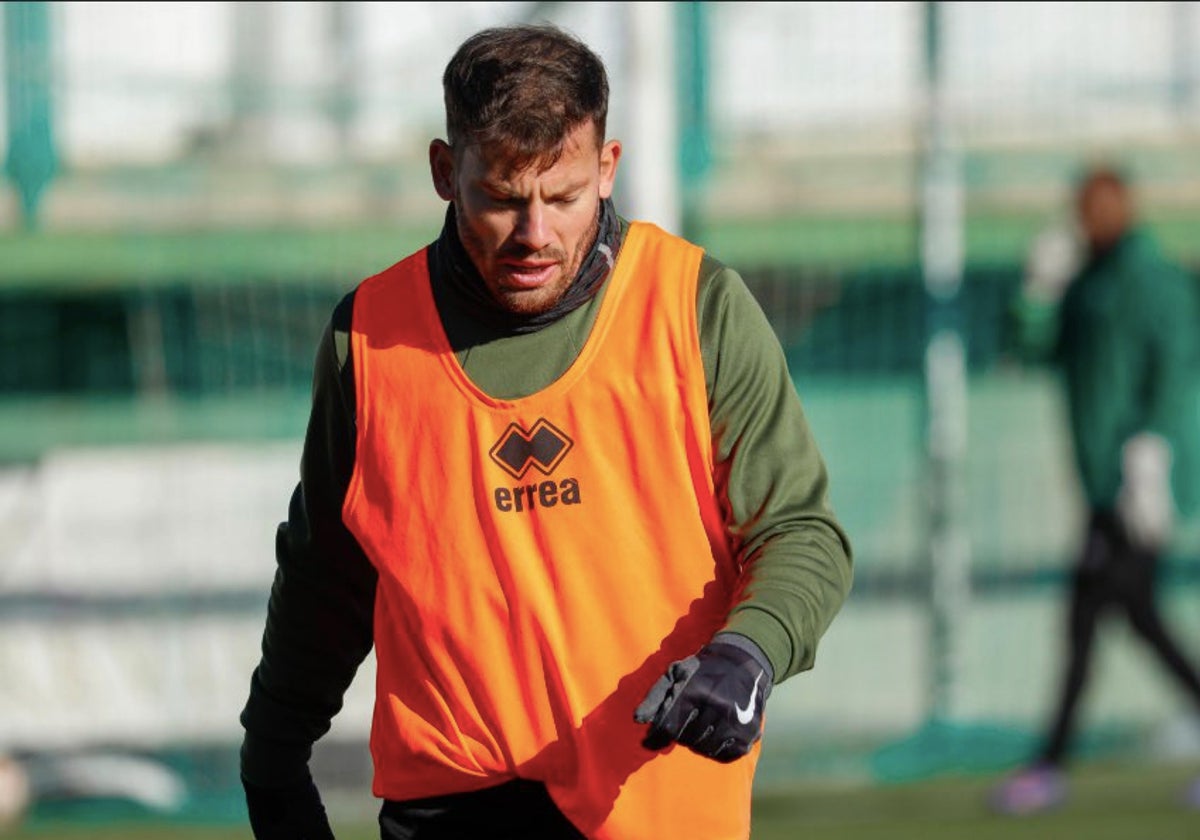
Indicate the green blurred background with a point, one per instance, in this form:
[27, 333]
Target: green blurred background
[191, 187]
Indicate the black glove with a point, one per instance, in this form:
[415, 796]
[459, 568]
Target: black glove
[711, 702]
[290, 813]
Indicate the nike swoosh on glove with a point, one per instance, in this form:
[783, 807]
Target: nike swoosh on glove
[290, 813]
[711, 702]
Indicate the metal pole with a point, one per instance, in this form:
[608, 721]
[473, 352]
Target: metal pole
[1185, 66]
[252, 61]
[31, 160]
[342, 104]
[695, 138]
[649, 173]
[941, 252]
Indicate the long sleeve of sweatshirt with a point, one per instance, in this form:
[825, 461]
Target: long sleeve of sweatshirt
[797, 559]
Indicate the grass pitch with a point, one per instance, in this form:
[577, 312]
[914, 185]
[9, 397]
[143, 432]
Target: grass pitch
[1106, 802]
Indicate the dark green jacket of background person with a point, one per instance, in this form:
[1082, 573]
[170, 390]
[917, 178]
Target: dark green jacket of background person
[1126, 338]
[321, 607]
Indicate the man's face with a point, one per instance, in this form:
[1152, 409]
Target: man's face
[527, 231]
[1105, 213]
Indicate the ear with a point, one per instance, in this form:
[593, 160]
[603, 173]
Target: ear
[441, 168]
[610, 154]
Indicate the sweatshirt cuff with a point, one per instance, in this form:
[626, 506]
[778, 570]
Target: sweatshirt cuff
[744, 643]
[269, 763]
[769, 635]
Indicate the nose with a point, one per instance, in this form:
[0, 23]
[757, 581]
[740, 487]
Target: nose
[532, 231]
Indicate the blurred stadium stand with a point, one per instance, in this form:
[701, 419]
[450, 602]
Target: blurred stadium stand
[225, 172]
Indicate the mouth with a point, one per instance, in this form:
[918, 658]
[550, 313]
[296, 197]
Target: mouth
[527, 274]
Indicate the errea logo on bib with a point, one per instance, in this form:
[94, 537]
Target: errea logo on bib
[543, 447]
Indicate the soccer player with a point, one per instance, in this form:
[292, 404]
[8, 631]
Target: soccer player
[1123, 326]
[557, 473]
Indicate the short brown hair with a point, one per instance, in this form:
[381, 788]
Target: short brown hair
[1102, 176]
[520, 90]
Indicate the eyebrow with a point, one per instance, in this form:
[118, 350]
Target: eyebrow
[506, 191]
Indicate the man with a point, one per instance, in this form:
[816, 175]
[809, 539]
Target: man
[557, 473]
[1125, 338]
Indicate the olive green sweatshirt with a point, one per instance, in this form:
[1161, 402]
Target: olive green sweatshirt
[769, 472]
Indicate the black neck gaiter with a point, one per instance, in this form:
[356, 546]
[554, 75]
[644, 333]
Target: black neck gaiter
[452, 265]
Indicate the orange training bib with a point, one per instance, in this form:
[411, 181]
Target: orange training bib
[542, 560]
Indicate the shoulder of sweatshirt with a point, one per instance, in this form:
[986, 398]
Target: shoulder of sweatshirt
[726, 310]
[339, 324]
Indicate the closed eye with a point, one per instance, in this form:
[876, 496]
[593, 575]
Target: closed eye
[505, 200]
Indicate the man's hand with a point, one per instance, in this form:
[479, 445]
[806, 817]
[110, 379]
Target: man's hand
[1054, 258]
[1144, 503]
[711, 702]
[291, 813]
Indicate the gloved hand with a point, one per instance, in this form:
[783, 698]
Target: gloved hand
[1053, 259]
[711, 702]
[290, 813]
[1145, 505]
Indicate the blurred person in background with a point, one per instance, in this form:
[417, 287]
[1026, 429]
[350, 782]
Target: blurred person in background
[28, 779]
[557, 473]
[1122, 323]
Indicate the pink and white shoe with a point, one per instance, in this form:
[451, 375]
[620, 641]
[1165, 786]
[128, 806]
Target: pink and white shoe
[1031, 791]
[1191, 794]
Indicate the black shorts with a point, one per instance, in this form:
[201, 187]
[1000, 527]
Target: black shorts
[516, 810]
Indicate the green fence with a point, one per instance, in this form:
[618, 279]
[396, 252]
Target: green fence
[158, 326]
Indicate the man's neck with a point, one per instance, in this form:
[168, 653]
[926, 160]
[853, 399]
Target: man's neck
[459, 288]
